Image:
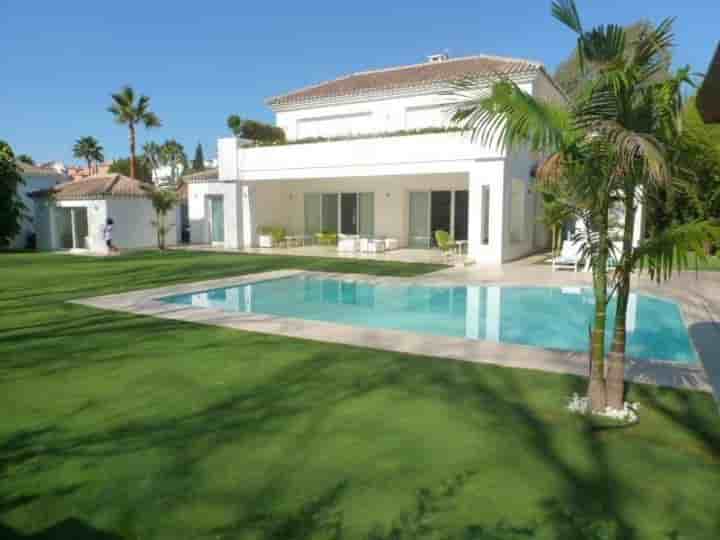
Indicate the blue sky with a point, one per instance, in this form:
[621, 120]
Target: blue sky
[200, 61]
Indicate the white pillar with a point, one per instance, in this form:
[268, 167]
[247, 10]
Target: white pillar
[491, 175]
[248, 215]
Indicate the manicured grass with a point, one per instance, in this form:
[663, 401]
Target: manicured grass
[150, 428]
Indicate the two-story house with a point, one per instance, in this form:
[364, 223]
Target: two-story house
[379, 174]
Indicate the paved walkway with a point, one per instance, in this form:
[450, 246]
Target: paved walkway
[699, 296]
[427, 256]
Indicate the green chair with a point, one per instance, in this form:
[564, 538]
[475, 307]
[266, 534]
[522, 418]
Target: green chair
[445, 242]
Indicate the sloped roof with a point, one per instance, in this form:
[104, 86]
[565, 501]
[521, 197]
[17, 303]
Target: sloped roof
[708, 100]
[97, 187]
[416, 75]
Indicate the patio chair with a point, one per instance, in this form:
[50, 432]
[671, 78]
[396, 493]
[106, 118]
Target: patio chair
[570, 256]
[445, 242]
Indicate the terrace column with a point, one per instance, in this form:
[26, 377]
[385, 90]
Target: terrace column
[248, 215]
[486, 211]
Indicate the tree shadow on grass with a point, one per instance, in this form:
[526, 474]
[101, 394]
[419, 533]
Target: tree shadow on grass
[591, 495]
[68, 529]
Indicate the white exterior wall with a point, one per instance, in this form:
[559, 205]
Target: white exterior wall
[133, 226]
[369, 116]
[198, 211]
[270, 182]
[28, 225]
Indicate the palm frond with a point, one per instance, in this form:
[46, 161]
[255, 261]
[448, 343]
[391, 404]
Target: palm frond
[510, 117]
[669, 251]
[566, 12]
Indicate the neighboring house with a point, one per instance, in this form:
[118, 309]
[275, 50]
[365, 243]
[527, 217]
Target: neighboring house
[379, 182]
[79, 172]
[708, 100]
[35, 178]
[163, 175]
[72, 215]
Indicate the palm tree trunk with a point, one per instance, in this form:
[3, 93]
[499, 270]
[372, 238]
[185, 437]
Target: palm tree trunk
[616, 357]
[133, 159]
[89, 167]
[554, 240]
[597, 390]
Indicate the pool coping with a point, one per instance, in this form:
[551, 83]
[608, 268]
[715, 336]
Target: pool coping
[661, 373]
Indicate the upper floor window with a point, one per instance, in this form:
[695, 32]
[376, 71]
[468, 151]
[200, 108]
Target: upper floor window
[428, 116]
[334, 126]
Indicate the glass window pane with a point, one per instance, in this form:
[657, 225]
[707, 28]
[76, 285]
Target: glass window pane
[367, 214]
[419, 236]
[330, 212]
[313, 214]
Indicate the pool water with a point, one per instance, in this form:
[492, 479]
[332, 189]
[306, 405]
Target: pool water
[555, 318]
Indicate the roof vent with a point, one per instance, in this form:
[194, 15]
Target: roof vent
[439, 57]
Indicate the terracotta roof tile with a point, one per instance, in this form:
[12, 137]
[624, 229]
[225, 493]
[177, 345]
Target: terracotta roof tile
[409, 76]
[97, 187]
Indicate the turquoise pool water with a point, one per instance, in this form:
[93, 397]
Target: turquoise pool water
[556, 318]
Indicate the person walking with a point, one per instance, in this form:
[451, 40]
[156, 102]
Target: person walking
[108, 234]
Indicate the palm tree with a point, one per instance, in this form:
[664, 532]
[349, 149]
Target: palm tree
[131, 112]
[587, 147]
[89, 149]
[163, 200]
[634, 104]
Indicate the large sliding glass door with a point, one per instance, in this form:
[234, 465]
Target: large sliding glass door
[349, 213]
[432, 211]
[330, 212]
[440, 213]
[346, 213]
[419, 236]
[71, 227]
[367, 215]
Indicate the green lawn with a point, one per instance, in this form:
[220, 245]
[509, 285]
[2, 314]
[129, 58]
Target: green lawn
[150, 428]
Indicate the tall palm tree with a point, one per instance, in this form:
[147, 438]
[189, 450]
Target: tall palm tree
[587, 146]
[89, 149]
[132, 112]
[634, 104]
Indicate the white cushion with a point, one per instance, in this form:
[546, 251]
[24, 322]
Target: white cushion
[348, 245]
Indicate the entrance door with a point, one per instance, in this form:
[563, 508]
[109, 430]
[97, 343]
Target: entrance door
[217, 220]
[440, 202]
[71, 226]
[419, 236]
[349, 213]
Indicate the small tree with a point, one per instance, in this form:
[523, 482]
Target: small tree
[255, 131]
[198, 163]
[12, 209]
[122, 166]
[163, 200]
[26, 158]
[172, 154]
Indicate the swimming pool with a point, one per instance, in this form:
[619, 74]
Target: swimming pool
[549, 317]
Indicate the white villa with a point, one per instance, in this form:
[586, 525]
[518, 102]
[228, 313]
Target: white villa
[373, 179]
